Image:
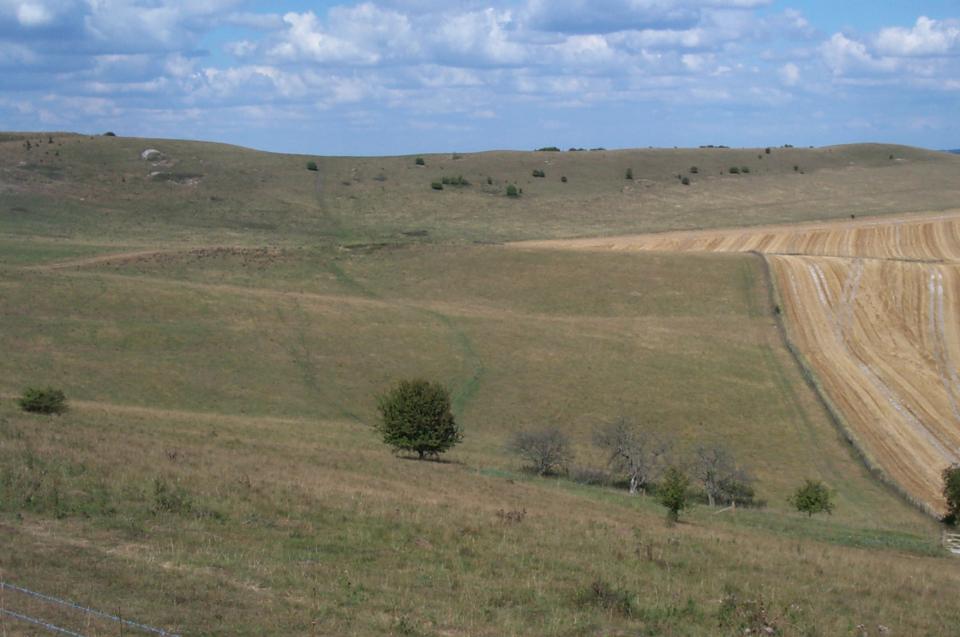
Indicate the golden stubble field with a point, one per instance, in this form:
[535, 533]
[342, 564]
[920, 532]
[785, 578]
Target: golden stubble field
[872, 305]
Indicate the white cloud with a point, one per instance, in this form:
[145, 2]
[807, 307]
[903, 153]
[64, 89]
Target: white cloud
[926, 37]
[479, 38]
[790, 74]
[844, 55]
[33, 14]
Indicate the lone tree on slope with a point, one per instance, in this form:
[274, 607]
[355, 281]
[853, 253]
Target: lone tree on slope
[672, 493]
[813, 497]
[416, 416]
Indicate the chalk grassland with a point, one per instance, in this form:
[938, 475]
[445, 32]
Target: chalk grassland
[248, 381]
[874, 310]
[98, 191]
[222, 341]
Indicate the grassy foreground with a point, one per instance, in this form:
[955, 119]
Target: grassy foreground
[216, 473]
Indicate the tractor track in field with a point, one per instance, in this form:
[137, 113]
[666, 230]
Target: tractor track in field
[873, 307]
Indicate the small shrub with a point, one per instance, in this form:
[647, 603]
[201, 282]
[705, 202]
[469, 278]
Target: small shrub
[685, 181]
[563, 180]
[951, 493]
[694, 170]
[454, 181]
[436, 185]
[43, 400]
[734, 170]
[512, 191]
[514, 516]
[767, 150]
[745, 169]
[891, 156]
[539, 173]
[628, 174]
[312, 165]
[813, 497]
[419, 161]
[547, 450]
[489, 181]
[672, 493]
[600, 594]
[796, 168]
[109, 133]
[549, 149]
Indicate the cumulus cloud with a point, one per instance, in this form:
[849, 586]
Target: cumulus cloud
[844, 55]
[357, 60]
[926, 38]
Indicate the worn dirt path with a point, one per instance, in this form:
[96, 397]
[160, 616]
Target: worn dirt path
[873, 305]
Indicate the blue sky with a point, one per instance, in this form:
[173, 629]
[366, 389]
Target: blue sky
[409, 76]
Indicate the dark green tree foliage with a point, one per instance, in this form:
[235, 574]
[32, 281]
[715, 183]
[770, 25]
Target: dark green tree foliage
[672, 492]
[416, 416]
[951, 492]
[312, 165]
[43, 400]
[813, 497]
[419, 161]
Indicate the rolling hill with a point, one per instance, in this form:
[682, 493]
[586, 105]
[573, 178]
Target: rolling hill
[222, 321]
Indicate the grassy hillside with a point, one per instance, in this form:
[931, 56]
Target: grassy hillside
[222, 341]
[99, 190]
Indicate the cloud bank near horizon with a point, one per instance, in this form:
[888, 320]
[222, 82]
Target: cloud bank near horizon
[405, 76]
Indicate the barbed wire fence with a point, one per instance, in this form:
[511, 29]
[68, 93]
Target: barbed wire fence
[60, 630]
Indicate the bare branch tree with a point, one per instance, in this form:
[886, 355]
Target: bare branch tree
[547, 450]
[632, 450]
[722, 479]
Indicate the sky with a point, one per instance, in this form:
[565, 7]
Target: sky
[409, 76]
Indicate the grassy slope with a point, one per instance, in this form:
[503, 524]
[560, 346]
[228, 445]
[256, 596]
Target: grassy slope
[247, 376]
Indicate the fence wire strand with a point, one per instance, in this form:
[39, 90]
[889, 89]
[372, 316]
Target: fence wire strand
[84, 609]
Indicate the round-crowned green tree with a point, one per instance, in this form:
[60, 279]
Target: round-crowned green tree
[813, 497]
[416, 416]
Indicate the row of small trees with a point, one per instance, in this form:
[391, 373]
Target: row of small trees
[415, 416]
[643, 460]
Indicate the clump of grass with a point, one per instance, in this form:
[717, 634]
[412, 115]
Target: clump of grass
[170, 498]
[601, 594]
[436, 185]
[454, 181]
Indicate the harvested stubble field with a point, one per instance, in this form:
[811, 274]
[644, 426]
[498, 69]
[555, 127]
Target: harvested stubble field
[222, 343]
[874, 307]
